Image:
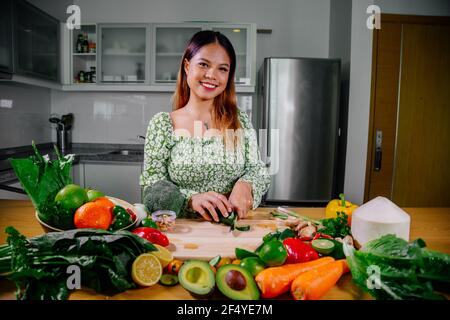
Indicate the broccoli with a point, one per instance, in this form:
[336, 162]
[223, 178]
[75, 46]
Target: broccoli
[165, 195]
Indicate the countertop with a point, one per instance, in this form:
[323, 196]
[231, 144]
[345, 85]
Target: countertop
[430, 224]
[84, 153]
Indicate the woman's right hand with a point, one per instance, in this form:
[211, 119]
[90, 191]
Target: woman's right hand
[208, 202]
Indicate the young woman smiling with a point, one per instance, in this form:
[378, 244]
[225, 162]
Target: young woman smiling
[206, 147]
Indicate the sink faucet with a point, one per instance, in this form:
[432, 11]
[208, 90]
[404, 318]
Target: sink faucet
[141, 137]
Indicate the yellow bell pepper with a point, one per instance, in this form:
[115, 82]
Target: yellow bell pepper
[340, 205]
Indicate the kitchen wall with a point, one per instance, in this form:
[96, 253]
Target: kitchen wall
[360, 79]
[299, 28]
[24, 114]
[339, 48]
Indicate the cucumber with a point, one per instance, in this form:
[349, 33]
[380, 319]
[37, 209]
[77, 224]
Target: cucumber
[168, 280]
[323, 246]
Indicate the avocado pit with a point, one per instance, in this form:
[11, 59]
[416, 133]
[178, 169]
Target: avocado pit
[235, 280]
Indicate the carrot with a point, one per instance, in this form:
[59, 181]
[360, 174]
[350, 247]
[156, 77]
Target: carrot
[277, 280]
[312, 285]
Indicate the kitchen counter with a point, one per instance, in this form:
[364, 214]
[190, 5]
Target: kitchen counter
[430, 224]
[84, 153]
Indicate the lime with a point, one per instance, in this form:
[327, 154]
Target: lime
[168, 279]
[71, 197]
[146, 270]
[164, 255]
[253, 265]
[93, 194]
[273, 253]
[323, 246]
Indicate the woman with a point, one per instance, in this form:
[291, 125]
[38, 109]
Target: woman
[203, 157]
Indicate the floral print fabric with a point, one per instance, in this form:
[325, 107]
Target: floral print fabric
[201, 164]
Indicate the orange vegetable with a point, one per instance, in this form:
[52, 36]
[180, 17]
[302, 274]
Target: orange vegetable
[312, 285]
[277, 280]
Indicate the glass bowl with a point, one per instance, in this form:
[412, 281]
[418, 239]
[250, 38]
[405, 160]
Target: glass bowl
[165, 219]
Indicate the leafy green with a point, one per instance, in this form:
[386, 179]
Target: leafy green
[404, 268]
[336, 227]
[39, 265]
[41, 179]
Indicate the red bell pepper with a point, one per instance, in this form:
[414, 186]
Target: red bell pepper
[298, 251]
[152, 235]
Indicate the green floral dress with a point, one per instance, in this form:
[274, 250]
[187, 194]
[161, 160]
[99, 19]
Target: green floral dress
[201, 164]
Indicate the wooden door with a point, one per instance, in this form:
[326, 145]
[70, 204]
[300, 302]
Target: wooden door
[410, 106]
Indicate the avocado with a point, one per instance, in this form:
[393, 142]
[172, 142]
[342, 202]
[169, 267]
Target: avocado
[197, 277]
[236, 283]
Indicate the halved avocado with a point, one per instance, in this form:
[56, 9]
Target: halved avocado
[236, 283]
[197, 277]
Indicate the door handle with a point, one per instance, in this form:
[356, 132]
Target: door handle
[378, 150]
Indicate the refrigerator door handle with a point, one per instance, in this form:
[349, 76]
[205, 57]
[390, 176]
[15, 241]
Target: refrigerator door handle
[267, 109]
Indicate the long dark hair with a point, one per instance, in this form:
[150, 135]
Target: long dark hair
[225, 106]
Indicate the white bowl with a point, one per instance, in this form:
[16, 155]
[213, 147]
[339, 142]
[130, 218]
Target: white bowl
[116, 201]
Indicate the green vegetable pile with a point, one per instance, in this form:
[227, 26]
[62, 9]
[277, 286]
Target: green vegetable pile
[334, 227]
[406, 270]
[42, 178]
[39, 265]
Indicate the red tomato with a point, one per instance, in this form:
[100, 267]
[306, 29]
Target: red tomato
[152, 235]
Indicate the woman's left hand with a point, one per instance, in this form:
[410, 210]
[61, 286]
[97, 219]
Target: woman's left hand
[241, 198]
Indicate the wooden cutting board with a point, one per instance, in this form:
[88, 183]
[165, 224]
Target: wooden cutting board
[199, 239]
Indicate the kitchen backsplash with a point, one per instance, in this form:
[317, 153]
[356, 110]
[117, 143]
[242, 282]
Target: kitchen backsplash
[24, 113]
[109, 117]
[114, 117]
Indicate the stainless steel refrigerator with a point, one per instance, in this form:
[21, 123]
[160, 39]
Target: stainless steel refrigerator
[298, 106]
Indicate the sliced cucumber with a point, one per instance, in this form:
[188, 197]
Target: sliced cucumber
[323, 246]
[168, 280]
[214, 261]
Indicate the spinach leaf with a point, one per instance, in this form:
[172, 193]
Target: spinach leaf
[38, 265]
[41, 179]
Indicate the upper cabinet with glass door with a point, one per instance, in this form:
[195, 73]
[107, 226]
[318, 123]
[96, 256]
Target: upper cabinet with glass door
[123, 56]
[168, 47]
[243, 39]
[37, 42]
[170, 40]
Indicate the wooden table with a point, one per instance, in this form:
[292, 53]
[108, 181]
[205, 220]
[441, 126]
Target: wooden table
[430, 224]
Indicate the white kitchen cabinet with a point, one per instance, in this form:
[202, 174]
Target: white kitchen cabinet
[124, 53]
[78, 174]
[120, 180]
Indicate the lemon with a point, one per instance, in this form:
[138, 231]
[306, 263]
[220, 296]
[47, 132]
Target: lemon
[164, 255]
[146, 270]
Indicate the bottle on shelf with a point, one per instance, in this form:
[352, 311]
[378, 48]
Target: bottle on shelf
[93, 76]
[85, 43]
[79, 45]
[92, 47]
